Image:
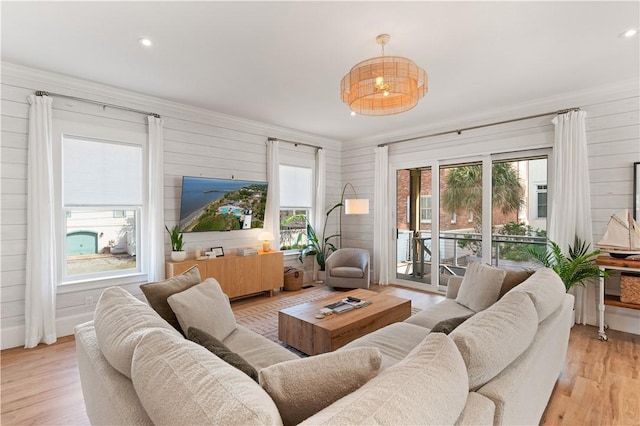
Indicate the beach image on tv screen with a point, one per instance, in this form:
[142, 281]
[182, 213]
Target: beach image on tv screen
[210, 204]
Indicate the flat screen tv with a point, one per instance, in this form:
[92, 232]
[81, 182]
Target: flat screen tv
[210, 204]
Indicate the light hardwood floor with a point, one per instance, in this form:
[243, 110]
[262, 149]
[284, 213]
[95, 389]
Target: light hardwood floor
[600, 384]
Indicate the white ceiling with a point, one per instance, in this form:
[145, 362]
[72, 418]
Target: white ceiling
[281, 62]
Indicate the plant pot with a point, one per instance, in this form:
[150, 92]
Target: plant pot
[320, 276]
[178, 256]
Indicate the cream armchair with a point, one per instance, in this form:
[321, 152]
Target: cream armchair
[348, 267]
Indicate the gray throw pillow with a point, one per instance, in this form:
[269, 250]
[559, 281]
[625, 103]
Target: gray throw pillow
[157, 293]
[448, 325]
[220, 350]
[512, 279]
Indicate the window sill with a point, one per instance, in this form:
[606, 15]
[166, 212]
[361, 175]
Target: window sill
[97, 283]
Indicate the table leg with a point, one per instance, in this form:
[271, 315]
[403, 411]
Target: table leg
[601, 326]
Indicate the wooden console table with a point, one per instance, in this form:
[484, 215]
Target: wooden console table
[238, 275]
[607, 262]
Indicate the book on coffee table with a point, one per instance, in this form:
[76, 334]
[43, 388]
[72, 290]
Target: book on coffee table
[346, 305]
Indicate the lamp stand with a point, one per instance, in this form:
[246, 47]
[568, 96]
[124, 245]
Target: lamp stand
[357, 206]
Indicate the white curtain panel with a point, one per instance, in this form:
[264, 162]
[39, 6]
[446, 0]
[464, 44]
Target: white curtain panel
[272, 213]
[155, 203]
[320, 197]
[571, 199]
[40, 291]
[382, 217]
[319, 210]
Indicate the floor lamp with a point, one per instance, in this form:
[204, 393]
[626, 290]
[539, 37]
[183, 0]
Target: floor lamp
[352, 206]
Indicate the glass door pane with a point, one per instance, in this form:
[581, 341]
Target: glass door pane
[460, 218]
[414, 212]
[519, 216]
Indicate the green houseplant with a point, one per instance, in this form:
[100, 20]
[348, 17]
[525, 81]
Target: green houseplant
[318, 246]
[573, 269]
[177, 246]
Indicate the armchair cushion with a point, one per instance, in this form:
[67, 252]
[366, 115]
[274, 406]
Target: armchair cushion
[347, 272]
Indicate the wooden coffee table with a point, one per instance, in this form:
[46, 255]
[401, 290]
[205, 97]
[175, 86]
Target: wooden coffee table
[298, 327]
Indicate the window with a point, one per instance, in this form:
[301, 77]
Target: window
[296, 188]
[541, 198]
[454, 217]
[425, 209]
[99, 178]
[101, 193]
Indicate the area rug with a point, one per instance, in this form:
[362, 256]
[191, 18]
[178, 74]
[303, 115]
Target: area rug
[263, 318]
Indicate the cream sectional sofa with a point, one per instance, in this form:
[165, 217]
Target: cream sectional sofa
[498, 367]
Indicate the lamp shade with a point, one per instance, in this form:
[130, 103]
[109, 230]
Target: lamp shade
[356, 206]
[265, 236]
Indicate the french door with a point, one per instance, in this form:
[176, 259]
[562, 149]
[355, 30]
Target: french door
[489, 210]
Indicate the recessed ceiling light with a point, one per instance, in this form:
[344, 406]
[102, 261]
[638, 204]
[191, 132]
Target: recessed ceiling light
[145, 41]
[629, 33]
[352, 113]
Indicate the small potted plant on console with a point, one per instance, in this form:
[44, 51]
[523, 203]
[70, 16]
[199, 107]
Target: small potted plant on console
[177, 252]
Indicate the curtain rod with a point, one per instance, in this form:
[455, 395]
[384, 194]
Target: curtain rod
[43, 93]
[295, 143]
[459, 131]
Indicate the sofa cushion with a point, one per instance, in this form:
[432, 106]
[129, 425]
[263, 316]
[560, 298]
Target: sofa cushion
[219, 349]
[445, 309]
[479, 410]
[302, 387]
[480, 286]
[448, 325]
[182, 383]
[395, 341]
[492, 339]
[120, 321]
[546, 290]
[513, 278]
[429, 386]
[158, 292]
[257, 350]
[206, 307]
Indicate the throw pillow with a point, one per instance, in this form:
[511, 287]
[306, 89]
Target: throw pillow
[428, 387]
[157, 293]
[492, 339]
[121, 321]
[180, 383]
[512, 279]
[206, 307]
[220, 350]
[448, 325]
[302, 387]
[480, 286]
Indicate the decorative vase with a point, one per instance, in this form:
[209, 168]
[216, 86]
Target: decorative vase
[178, 256]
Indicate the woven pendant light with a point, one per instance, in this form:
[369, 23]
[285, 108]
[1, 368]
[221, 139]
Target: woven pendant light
[384, 85]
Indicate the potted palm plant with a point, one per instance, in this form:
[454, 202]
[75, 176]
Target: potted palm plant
[319, 246]
[573, 269]
[177, 246]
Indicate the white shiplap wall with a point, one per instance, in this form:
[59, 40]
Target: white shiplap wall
[613, 126]
[197, 143]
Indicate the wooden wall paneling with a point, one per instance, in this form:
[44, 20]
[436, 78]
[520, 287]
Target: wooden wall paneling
[197, 143]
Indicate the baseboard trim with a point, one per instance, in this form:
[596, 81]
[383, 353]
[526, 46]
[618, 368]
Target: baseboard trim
[13, 337]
